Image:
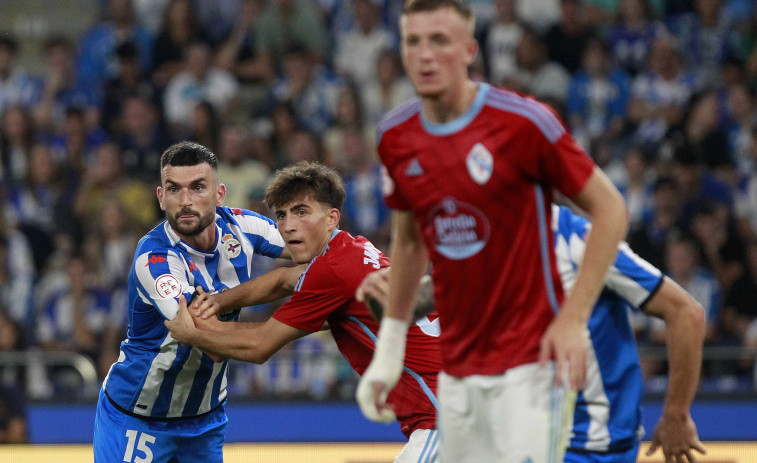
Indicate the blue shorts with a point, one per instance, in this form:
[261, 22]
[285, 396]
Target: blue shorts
[123, 438]
[629, 456]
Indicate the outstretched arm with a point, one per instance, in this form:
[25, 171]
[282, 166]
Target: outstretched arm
[676, 432]
[250, 344]
[567, 338]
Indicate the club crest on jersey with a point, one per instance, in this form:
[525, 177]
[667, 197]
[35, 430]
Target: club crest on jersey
[480, 164]
[231, 247]
[167, 286]
[460, 230]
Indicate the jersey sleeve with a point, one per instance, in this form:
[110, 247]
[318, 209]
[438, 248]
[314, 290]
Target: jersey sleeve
[260, 230]
[318, 294]
[161, 277]
[631, 277]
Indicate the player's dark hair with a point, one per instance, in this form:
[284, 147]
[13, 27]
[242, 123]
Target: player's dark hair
[305, 177]
[417, 6]
[187, 153]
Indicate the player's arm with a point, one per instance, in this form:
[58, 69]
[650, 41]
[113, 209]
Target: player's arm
[676, 432]
[269, 287]
[409, 263]
[250, 344]
[567, 337]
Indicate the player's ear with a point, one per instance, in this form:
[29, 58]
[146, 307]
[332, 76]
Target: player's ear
[334, 217]
[220, 194]
[159, 192]
[472, 49]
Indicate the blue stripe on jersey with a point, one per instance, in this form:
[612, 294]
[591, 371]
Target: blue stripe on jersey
[453, 126]
[544, 248]
[532, 110]
[415, 375]
[397, 117]
[608, 410]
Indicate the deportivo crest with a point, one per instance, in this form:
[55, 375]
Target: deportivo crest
[231, 247]
[480, 164]
[167, 286]
[460, 229]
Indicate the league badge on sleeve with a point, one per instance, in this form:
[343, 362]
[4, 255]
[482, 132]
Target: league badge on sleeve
[167, 286]
[231, 247]
[480, 164]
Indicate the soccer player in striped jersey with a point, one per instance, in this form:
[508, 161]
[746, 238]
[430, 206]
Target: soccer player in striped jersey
[607, 421]
[307, 199]
[470, 173]
[162, 401]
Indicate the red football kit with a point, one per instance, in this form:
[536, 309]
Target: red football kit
[326, 293]
[480, 188]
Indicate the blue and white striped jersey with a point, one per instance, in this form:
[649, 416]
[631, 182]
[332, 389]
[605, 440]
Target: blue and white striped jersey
[154, 376]
[608, 409]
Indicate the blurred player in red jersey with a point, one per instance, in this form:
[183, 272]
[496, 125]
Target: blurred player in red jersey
[470, 173]
[307, 199]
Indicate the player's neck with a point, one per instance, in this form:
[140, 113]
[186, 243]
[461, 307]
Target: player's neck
[451, 105]
[204, 241]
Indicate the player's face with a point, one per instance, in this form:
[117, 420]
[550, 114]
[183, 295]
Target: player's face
[189, 195]
[437, 48]
[306, 226]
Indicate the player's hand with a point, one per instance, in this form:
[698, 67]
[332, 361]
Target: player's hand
[182, 324]
[204, 305]
[374, 291]
[383, 372]
[678, 438]
[567, 342]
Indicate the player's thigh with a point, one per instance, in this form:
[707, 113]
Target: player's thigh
[203, 443]
[422, 447]
[122, 438]
[628, 456]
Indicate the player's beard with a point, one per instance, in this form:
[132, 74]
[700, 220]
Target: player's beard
[205, 221]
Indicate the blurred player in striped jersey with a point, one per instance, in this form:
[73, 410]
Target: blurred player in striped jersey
[471, 170]
[307, 199]
[161, 401]
[607, 421]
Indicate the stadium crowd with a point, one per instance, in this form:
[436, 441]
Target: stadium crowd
[661, 93]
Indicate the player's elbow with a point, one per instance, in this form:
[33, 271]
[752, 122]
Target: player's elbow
[256, 353]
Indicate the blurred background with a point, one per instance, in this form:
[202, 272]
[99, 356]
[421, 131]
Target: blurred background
[661, 94]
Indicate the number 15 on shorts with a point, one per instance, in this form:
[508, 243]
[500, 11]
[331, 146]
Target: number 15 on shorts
[142, 445]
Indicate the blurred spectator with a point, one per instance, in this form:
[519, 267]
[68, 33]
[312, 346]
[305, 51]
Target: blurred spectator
[705, 37]
[131, 80]
[660, 94]
[287, 23]
[597, 97]
[149, 14]
[661, 222]
[539, 15]
[62, 88]
[536, 74]
[106, 178]
[740, 308]
[241, 174]
[697, 186]
[217, 19]
[199, 81]
[309, 87]
[631, 35]
[349, 116]
[240, 55]
[75, 144]
[142, 139]
[96, 57]
[16, 138]
[745, 205]
[17, 87]
[302, 145]
[283, 126]
[178, 29]
[17, 275]
[722, 250]
[566, 39]
[204, 126]
[357, 51]
[636, 186]
[390, 89]
[741, 117]
[500, 39]
[13, 414]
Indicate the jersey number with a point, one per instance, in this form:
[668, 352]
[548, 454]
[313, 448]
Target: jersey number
[144, 439]
[371, 256]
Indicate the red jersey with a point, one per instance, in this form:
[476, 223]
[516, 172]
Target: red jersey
[326, 293]
[481, 187]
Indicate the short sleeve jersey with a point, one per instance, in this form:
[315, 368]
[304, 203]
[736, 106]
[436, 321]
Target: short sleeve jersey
[326, 293]
[480, 188]
[154, 376]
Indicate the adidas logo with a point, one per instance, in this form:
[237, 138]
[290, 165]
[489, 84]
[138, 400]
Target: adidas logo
[414, 169]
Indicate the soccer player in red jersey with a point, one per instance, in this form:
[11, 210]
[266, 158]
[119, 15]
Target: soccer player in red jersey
[470, 173]
[307, 199]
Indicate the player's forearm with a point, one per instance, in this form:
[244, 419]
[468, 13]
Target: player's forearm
[238, 344]
[685, 337]
[409, 264]
[266, 288]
